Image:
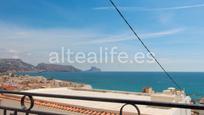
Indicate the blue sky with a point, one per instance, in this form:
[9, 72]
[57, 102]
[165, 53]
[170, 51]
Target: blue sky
[173, 30]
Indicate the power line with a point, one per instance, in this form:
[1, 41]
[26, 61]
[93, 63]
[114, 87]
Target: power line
[136, 35]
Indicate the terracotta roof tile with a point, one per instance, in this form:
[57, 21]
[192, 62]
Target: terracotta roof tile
[56, 105]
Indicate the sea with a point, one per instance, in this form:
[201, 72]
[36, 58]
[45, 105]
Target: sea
[191, 82]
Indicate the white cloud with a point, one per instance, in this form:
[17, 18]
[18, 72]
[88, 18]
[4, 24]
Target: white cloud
[153, 9]
[15, 57]
[12, 51]
[162, 33]
[127, 36]
[23, 39]
[33, 45]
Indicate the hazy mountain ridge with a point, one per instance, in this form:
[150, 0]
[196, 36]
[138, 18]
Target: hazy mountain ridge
[55, 67]
[94, 69]
[17, 65]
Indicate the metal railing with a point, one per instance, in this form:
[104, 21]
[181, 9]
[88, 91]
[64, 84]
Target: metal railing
[134, 103]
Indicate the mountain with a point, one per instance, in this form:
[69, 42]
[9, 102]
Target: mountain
[15, 65]
[55, 67]
[94, 69]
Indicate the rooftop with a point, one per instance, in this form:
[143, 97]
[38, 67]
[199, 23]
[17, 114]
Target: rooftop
[115, 107]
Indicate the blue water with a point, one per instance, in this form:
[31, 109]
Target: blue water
[192, 82]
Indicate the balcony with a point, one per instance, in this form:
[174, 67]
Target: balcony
[21, 103]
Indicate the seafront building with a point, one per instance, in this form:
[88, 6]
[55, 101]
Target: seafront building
[80, 107]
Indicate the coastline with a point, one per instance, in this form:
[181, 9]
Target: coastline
[15, 82]
[43, 81]
[61, 87]
[133, 81]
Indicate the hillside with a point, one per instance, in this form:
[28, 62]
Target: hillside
[15, 65]
[55, 67]
[94, 69]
